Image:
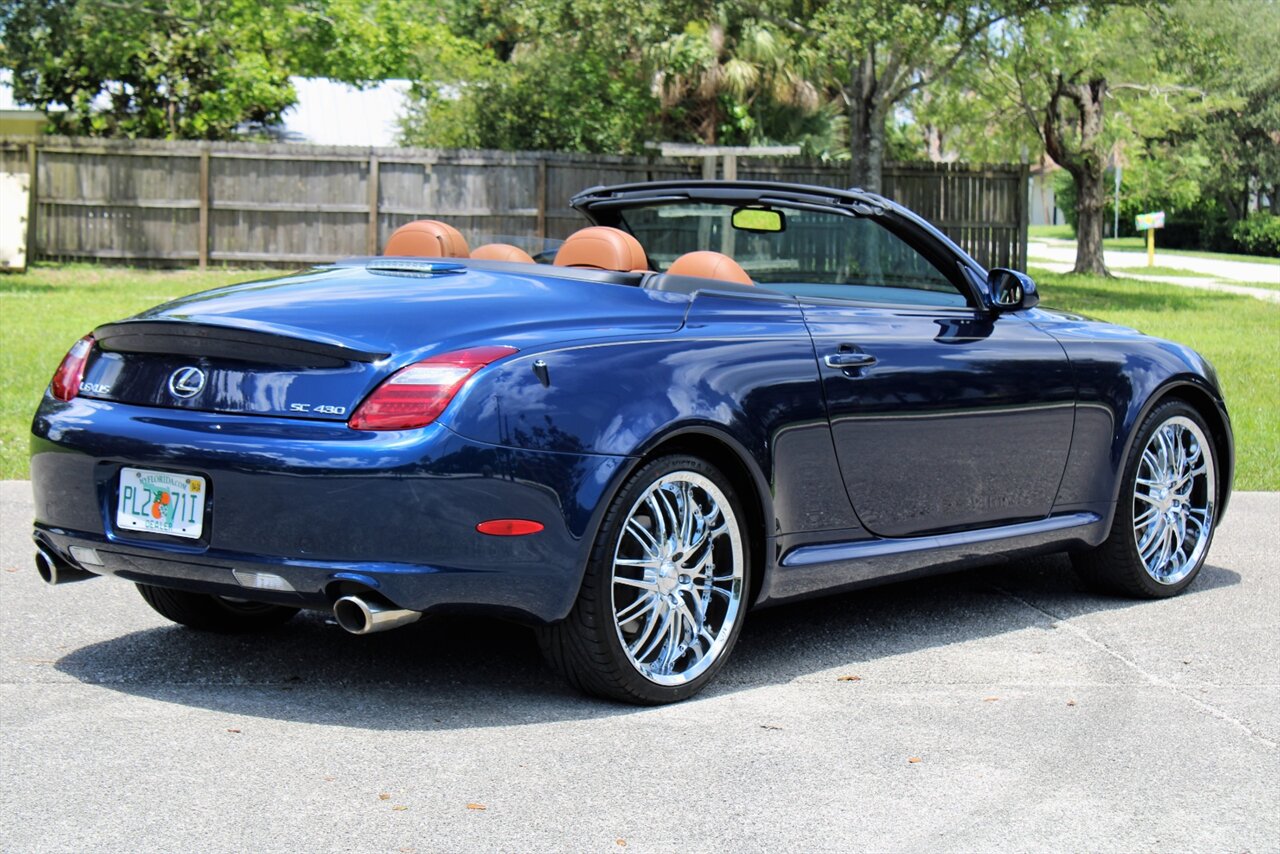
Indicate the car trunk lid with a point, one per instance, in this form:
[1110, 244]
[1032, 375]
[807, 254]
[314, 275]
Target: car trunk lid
[314, 345]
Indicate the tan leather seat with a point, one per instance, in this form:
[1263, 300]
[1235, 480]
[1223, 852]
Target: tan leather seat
[502, 252]
[602, 248]
[429, 238]
[709, 265]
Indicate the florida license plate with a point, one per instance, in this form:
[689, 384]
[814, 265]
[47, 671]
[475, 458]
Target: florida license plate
[161, 502]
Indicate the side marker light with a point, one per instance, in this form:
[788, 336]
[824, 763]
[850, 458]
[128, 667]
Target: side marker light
[509, 527]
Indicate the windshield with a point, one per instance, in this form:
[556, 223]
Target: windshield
[806, 252]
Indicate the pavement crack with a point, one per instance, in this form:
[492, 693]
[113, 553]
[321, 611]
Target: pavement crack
[1064, 622]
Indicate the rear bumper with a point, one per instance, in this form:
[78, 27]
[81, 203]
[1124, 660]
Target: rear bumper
[319, 504]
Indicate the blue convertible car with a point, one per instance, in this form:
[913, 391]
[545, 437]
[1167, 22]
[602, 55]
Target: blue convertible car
[716, 396]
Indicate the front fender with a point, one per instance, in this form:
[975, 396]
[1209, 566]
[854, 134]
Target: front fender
[1206, 398]
[1120, 376]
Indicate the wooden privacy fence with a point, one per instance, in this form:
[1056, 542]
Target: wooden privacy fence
[247, 203]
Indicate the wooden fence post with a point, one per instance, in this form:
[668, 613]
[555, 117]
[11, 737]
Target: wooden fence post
[203, 238]
[731, 167]
[1024, 215]
[33, 204]
[371, 236]
[541, 220]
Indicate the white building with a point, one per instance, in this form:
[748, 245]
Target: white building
[333, 113]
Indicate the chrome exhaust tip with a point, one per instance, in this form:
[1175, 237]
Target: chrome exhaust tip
[54, 571]
[363, 617]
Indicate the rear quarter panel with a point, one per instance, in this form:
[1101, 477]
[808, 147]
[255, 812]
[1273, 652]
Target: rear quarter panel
[742, 368]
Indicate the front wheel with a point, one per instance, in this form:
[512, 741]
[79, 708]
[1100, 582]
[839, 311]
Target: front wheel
[214, 613]
[664, 595]
[1166, 513]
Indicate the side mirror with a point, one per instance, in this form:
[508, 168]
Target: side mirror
[1011, 290]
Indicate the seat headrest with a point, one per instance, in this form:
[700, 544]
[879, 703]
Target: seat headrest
[428, 238]
[710, 265]
[602, 248]
[502, 252]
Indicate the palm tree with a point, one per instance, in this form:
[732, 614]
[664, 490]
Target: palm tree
[722, 75]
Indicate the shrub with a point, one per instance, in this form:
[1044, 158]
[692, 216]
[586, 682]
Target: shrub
[1202, 224]
[1258, 235]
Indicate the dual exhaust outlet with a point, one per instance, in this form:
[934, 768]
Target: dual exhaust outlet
[357, 614]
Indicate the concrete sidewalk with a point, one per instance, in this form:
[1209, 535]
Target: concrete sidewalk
[1001, 709]
[1212, 274]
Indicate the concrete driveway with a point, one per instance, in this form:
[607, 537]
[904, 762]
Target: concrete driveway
[997, 709]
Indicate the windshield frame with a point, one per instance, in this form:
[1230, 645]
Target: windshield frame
[607, 206]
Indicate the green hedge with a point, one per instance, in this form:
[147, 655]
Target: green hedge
[1258, 235]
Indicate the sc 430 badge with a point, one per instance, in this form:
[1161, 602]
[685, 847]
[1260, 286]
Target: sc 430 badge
[319, 409]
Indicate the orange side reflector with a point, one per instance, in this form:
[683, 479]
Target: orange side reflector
[509, 527]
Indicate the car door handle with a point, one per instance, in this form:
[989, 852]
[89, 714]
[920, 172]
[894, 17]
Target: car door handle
[850, 360]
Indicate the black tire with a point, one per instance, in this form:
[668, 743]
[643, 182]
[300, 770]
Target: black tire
[586, 647]
[1116, 566]
[213, 613]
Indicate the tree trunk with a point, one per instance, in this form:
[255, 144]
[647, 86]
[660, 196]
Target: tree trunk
[709, 122]
[933, 144]
[866, 127]
[1084, 160]
[1090, 221]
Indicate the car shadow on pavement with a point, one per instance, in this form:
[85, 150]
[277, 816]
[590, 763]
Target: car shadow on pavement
[455, 672]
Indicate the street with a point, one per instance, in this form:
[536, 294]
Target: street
[1002, 708]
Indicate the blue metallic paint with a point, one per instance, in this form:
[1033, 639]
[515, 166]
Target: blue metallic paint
[741, 366]
[309, 500]
[409, 317]
[1043, 400]
[1120, 374]
[945, 378]
[809, 568]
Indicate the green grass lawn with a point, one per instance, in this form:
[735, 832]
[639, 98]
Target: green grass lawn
[1139, 244]
[44, 311]
[1240, 335]
[1178, 272]
[1139, 272]
[1061, 232]
[1160, 271]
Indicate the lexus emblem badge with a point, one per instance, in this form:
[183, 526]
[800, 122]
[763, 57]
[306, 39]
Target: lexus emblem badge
[186, 382]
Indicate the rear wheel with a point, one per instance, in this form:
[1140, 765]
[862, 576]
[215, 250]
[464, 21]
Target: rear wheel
[214, 613]
[1165, 517]
[664, 596]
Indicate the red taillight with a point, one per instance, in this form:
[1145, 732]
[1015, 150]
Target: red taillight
[509, 527]
[415, 396]
[66, 380]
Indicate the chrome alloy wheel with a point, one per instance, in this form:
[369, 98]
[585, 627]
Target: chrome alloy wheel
[1173, 500]
[677, 584]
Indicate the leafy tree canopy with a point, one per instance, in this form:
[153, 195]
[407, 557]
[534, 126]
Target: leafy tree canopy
[205, 69]
[629, 72]
[1183, 94]
[1164, 92]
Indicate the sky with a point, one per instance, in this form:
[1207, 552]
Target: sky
[327, 112]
